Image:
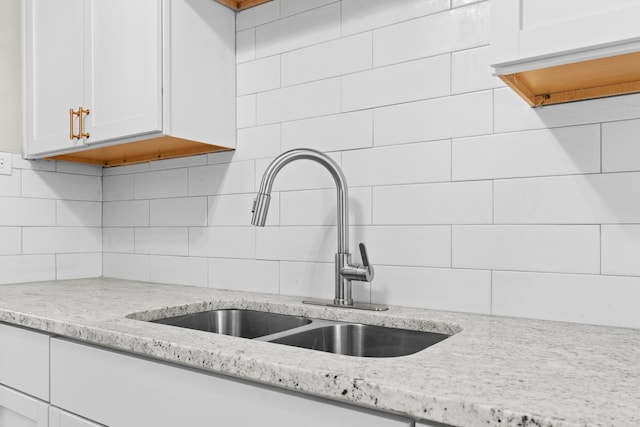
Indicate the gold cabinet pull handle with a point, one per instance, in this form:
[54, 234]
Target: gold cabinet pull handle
[71, 115]
[82, 111]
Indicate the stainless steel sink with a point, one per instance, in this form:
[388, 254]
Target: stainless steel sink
[362, 340]
[351, 339]
[238, 323]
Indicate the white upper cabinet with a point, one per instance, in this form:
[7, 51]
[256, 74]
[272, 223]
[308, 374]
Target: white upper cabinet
[120, 81]
[122, 68]
[531, 35]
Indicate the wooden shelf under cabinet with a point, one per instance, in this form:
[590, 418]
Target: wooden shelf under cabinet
[596, 78]
[165, 147]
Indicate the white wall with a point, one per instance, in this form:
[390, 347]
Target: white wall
[468, 199]
[50, 212]
[10, 81]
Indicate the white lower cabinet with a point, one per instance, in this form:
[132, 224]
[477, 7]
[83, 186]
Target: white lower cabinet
[20, 410]
[24, 361]
[60, 418]
[121, 390]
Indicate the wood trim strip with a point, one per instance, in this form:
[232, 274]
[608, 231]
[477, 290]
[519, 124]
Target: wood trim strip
[596, 78]
[165, 147]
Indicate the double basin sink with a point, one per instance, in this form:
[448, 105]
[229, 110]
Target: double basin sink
[352, 339]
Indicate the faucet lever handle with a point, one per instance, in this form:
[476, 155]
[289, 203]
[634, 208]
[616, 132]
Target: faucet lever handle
[363, 254]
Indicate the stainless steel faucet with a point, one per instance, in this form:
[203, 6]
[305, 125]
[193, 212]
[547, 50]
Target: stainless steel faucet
[345, 271]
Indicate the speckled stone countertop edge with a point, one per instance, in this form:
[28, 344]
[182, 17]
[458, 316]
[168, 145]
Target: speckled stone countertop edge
[373, 385]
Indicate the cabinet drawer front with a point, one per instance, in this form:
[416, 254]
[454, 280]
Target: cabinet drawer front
[24, 360]
[60, 418]
[120, 390]
[20, 410]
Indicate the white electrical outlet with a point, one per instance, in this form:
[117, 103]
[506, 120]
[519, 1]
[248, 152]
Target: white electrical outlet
[5, 164]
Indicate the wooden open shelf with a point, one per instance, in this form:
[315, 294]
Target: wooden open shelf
[596, 78]
[165, 147]
[242, 4]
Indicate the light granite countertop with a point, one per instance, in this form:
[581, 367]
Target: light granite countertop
[492, 372]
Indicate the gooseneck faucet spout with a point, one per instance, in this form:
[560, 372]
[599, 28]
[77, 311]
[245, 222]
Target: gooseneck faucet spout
[345, 270]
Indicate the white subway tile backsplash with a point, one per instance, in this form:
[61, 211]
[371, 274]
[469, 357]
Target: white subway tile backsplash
[258, 142]
[118, 240]
[258, 76]
[512, 114]
[559, 151]
[257, 276]
[79, 168]
[27, 268]
[470, 71]
[178, 270]
[246, 111]
[126, 266]
[292, 7]
[395, 84]
[222, 242]
[160, 184]
[123, 170]
[444, 32]
[293, 32]
[417, 246]
[435, 288]
[422, 162]
[318, 207]
[330, 59]
[316, 280]
[621, 249]
[434, 119]
[425, 204]
[10, 241]
[330, 133]
[180, 212]
[293, 103]
[620, 148]
[54, 185]
[49, 240]
[162, 241]
[603, 300]
[245, 45]
[549, 248]
[118, 187]
[256, 16]
[580, 199]
[317, 244]
[44, 165]
[134, 213]
[27, 212]
[178, 162]
[363, 15]
[10, 184]
[78, 214]
[77, 266]
[223, 178]
[235, 210]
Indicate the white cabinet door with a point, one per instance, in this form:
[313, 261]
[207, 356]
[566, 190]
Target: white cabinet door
[24, 361]
[91, 382]
[53, 40]
[104, 56]
[20, 410]
[525, 29]
[60, 418]
[122, 68]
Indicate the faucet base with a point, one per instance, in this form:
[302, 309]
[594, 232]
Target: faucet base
[355, 305]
